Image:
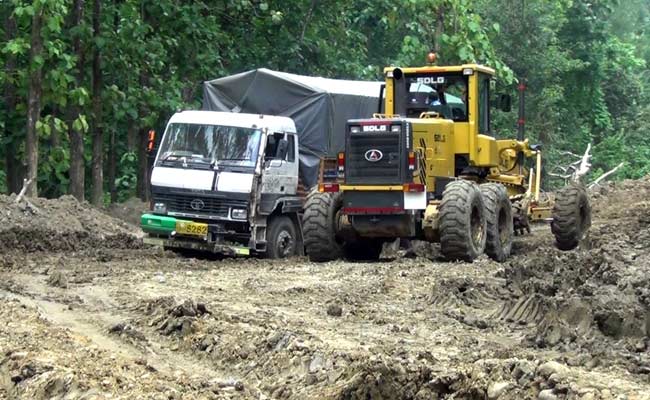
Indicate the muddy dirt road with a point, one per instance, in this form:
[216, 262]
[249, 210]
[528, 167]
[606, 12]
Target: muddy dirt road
[86, 312]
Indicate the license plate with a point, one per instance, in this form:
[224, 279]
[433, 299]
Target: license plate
[191, 228]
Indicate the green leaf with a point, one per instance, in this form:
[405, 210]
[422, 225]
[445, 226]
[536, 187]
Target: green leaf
[38, 60]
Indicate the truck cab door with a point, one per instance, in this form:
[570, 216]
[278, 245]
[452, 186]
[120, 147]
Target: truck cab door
[280, 172]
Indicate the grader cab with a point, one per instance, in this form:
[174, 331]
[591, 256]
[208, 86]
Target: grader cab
[429, 167]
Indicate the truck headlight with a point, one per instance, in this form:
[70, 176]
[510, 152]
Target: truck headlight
[160, 208]
[239, 213]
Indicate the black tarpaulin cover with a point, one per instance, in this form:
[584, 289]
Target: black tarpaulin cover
[320, 107]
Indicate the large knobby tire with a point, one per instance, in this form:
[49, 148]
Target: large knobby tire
[319, 226]
[462, 221]
[571, 217]
[499, 221]
[281, 238]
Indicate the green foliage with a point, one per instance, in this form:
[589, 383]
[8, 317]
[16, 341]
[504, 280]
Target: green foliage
[128, 174]
[585, 65]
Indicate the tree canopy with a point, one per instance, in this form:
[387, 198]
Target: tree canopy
[84, 81]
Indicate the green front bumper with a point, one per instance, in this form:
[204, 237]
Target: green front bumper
[161, 225]
[157, 224]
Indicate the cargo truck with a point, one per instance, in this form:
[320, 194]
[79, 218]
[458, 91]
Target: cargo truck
[226, 183]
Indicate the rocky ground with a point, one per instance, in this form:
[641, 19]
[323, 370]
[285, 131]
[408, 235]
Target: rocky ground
[87, 312]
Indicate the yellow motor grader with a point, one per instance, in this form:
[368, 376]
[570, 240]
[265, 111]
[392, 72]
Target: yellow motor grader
[427, 166]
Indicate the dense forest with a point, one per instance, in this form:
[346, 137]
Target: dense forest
[84, 81]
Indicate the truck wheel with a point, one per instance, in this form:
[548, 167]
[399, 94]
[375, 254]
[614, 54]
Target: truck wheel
[571, 217]
[462, 221]
[281, 238]
[363, 250]
[319, 226]
[499, 221]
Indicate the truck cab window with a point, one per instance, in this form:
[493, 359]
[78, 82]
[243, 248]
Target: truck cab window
[291, 153]
[204, 146]
[272, 141]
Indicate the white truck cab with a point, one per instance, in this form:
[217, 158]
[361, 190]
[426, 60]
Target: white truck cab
[226, 183]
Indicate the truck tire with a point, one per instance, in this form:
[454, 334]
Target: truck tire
[462, 221]
[499, 221]
[281, 238]
[571, 217]
[319, 226]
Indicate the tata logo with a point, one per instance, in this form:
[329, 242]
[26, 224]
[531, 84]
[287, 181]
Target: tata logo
[197, 204]
[374, 155]
[375, 128]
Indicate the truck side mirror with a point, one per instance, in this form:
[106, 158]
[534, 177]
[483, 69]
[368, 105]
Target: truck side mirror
[283, 146]
[505, 103]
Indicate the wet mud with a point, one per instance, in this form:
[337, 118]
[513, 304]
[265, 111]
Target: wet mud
[86, 311]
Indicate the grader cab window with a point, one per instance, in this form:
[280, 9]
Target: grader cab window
[445, 94]
[484, 104]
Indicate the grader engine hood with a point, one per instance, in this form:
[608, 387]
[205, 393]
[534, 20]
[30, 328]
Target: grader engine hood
[377, 152]
[379, 189]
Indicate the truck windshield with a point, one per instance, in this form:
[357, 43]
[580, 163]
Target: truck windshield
[209, 145]
[444, 93]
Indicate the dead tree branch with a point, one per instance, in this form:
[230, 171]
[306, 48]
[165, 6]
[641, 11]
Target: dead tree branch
[21, 196]
[577, 170]
[584, 166]
[605, 175]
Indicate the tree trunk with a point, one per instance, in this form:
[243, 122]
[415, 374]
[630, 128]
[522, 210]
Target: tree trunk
[13, 170]
[132, 139]
[112, 167]
[142, 188]
[77, 164]
[34, 101]
[97, 194]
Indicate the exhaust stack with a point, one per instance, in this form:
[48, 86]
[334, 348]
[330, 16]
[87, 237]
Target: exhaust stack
[521, 122]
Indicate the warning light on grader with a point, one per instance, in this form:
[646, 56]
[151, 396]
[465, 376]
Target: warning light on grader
[432, 57]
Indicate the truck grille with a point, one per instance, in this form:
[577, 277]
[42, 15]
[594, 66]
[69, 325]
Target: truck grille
[199, 205]
[387, 170]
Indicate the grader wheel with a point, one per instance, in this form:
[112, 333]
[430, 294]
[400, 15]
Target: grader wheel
[571, 217]
[499, 221]
[462, 221]
[319, 226]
